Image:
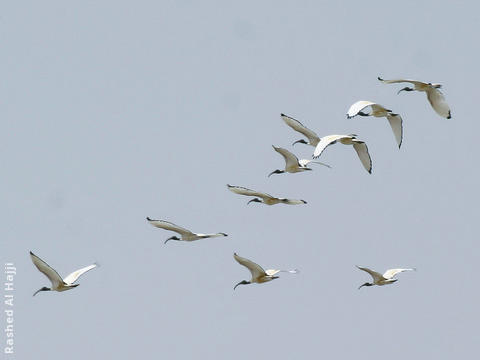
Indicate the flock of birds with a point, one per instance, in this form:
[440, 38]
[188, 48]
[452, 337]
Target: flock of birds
[292, 165]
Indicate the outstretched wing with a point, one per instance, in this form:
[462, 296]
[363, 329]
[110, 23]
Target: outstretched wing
[375, 275]
[438, 102]
[48, 271]
[71, 278]
[326, 141]
[298, 126]
[254, 268]
[290, 159]
[396, 123]
[362, 152]
[392, 272]
[357, 107]
[244, 191]
[415, 82]
[162, 224]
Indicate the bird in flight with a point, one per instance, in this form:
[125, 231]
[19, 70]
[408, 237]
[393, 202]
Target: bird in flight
[379, 279]
[378, 110]
[434, 95]
[259, 275]
[359, 146]
[186, 235]
[58, 283]
[264, 197]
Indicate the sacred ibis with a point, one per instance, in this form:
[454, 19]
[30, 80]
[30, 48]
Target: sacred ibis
[292, 164]
[385, 279]
[359, 146]
[296, 125]
[265, 198]
[258, 274]
[58, 284]
[378, 110]
[434, 96]
[186, 235]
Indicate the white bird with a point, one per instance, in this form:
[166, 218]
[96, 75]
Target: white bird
[292, 164]
[434, 96]
[265, 198]
[359, 146]
[58, 284]
[258, 274]
[378, 110]
[296, 125]
[385, 279]
[186, 235]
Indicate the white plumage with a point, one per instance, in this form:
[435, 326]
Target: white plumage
[434, 96]
[258, 274]
[378, 110]
[264, 197]
[385, 279]
[359, 146]
[292, 164]
[58, 284]
[186, 235]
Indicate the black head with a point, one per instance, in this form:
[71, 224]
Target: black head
[302, 141]
[42, 289]
[366, 284]
[172, 238]
[276, 172]
[243, 282]
[254, 200]
[405, 89]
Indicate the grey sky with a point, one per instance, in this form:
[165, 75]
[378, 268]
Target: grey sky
[116, 110]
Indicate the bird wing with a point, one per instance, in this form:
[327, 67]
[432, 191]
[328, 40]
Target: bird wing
[362, 152]
[305, 162]
[357, 107]
[437, 100]
[326, 141]
[292, 201]
[392, 272]
[71, 278]
[290, 159]
[48, 271]
[396, 123]
[244, 191]
[271, 272]
[375, 275]
[415, 82]
[298, 126]
[255, 269]
[162, 224]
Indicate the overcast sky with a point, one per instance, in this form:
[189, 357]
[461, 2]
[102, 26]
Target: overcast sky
[117, 110]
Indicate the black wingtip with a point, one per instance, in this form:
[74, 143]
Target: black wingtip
[282, 114]
[379, 78]
[449, 115]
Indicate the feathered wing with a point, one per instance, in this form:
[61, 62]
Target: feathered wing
[438, 102]
[363, 154]
[298, 126]
[375, 275]
[71, 278]
[290, 159]
[162, 224]
[271, 272]
[357, 107]
[48, 271]
[244, 191]
[254, 268]
[305, 162]
[326, 141]
[414, 82]
[396, 123]
[392, 272]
